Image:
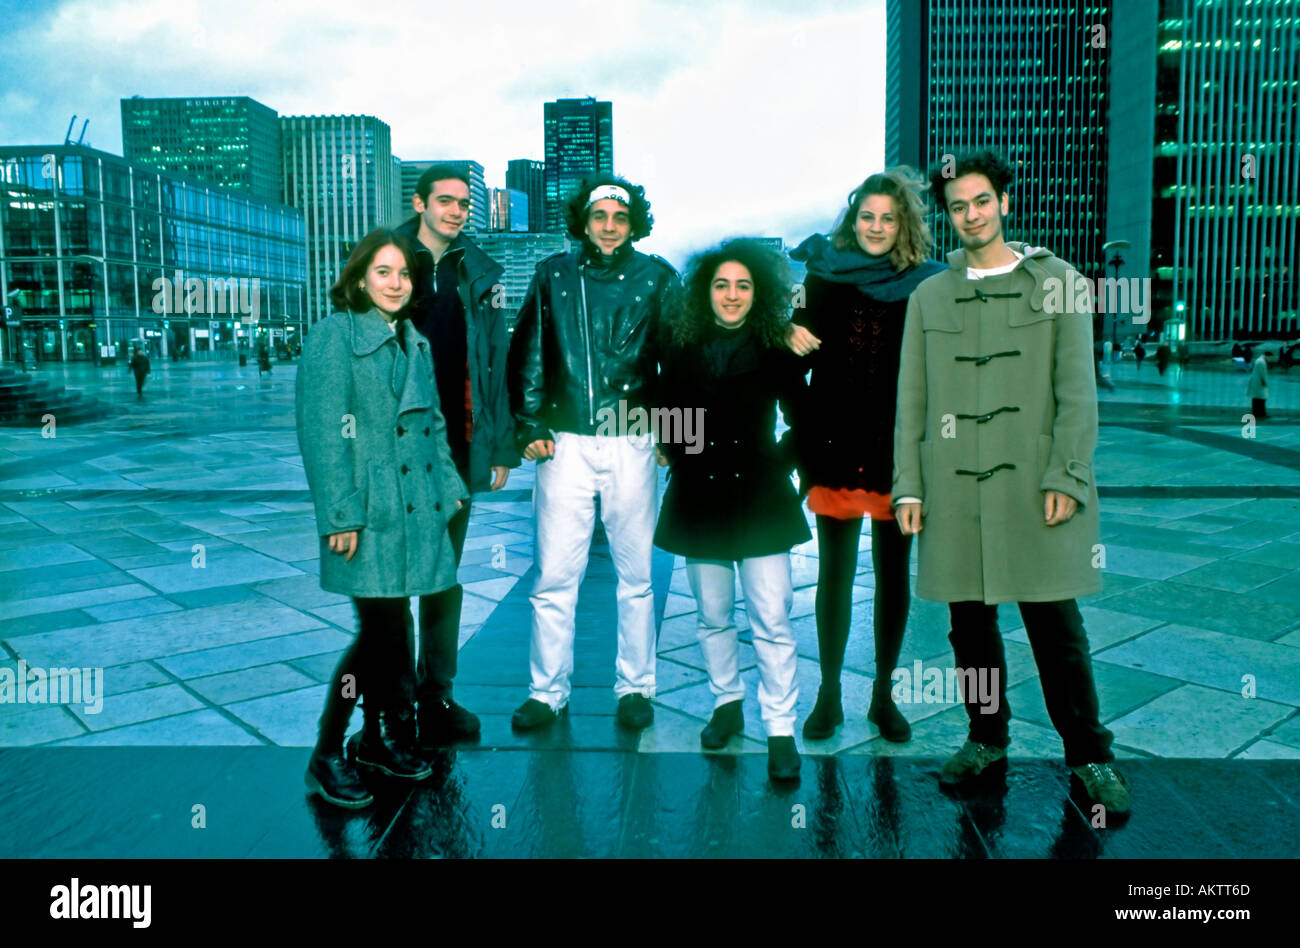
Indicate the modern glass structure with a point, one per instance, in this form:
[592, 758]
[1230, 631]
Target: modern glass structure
[509, 210]
[519, 254]
[1226, 190]
[339, 170]
[96, 251]
[479, 212]
[1025, 77]
[232, 142]
[579, 142]
[529, 176]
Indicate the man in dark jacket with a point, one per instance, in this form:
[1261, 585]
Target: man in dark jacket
[456, 305]
[583, 360]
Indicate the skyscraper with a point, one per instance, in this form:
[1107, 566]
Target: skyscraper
[579, 142]
[339, 170]
[519, 254]
[232, 142]
[1205, 165]
[479, 212]
[1024, 77]
[529, 176]
[509, 210]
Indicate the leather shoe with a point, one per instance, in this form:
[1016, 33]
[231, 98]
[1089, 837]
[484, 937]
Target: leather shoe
[782, 759]
[728, 720]
[635, 712]
[442, 722]
[337, 782]
[534, 714]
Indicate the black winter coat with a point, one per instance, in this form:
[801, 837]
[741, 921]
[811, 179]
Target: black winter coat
[588, 338]
[732, 498]
[847, 439]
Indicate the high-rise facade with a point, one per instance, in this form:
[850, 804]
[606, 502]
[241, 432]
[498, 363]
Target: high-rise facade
[1024, 77]
[231, 142]
[1213, 219]
[529, 176]
[479, 212]
[519, 254]
[579, 142]
[509, 210]
[339, 170]
[97, 251]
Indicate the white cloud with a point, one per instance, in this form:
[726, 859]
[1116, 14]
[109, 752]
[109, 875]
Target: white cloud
[739, 118]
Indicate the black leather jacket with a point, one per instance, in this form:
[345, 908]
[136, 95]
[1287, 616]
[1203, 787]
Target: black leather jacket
[588, 335]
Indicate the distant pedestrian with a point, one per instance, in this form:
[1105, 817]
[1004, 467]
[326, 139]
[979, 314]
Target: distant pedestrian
[1257, 386]
[140, 368]
[1162, 357]
[263, 357]
[1139, 353]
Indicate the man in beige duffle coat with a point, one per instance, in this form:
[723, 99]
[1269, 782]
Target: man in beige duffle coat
[995, 431]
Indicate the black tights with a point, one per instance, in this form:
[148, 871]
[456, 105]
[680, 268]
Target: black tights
[837, 549]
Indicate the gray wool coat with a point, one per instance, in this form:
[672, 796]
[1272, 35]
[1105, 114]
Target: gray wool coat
[374, 448]
[997, 403]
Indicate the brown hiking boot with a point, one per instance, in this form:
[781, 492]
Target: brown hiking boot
[971, 761]
[1105, 785]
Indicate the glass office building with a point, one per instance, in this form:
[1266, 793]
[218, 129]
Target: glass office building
[529, 176]
[579, 142]
[96, 251]
[232, 142]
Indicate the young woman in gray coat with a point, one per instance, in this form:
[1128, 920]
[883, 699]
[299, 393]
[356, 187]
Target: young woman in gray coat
[375, 454]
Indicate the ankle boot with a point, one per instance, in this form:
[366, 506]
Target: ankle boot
[328, 772]
[884, 714]
[728, 720]
[827, 714]
[384, 745]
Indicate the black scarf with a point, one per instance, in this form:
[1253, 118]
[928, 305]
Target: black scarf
[875, 277]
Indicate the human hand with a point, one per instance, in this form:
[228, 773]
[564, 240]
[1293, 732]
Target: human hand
[345, 543]
[541, 448]
[909, 518]
[1058, 507]
[800, 341]
[499, 476]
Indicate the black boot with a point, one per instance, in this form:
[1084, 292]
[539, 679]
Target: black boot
[384, 745]
[884, 714]
[782, 759]
[827, 715]
[728, 720]
[329, 773]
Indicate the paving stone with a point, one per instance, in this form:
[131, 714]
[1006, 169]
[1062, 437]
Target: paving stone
[32, 557]
[1194, 721]
[252, 653]
[196, 729]
[133, 707]
[38, 725]
[250, 683]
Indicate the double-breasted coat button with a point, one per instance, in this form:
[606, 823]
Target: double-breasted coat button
[410, 508]
[405, 469]
[400, 431]
[426, 431]
[428, 467]
[437, 506]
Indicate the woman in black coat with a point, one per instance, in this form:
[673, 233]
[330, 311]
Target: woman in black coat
[730, 503]
[857, 288]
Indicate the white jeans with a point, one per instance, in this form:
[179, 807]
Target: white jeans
[769, 593]
[623, 472]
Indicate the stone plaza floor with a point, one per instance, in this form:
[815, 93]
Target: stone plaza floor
[214, 674]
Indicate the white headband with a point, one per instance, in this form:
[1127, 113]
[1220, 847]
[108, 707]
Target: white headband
[609, 191]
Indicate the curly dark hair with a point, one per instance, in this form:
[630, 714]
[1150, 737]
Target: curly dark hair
[346, 293]
[985, 161]
[575, 208]
[772, 291]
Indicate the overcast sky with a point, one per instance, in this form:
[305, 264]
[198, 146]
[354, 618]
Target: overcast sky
[751, 118]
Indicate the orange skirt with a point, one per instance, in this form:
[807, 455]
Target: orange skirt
[843, 503]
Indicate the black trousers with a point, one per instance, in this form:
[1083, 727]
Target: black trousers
[1060, 646]
[440, 624]
[1257, 408]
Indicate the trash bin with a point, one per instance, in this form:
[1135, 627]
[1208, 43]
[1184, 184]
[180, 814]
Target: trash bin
[243, 359]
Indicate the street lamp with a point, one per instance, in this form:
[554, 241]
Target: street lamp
[1114, 247]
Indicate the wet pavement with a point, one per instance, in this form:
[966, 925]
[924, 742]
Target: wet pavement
[172, 546]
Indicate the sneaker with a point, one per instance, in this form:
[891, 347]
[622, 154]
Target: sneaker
[1105, 785]
[443, 721]
[635, 712]
[782, 759]
[727, 721]
[827, 715]
[533, 714]
[971, 761]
